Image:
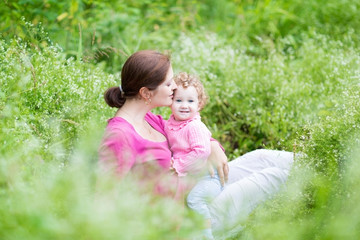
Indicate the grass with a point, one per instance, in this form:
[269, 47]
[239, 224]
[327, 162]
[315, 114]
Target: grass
[282, 83]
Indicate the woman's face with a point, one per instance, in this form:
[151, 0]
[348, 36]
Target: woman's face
[163, 94]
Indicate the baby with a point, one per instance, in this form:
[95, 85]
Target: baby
[189, 141]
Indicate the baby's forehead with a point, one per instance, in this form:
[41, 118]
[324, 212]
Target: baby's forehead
[186, 89]
[191, 90]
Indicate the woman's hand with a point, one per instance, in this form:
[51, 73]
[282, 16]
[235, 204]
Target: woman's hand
[172, 169]
[218, 160]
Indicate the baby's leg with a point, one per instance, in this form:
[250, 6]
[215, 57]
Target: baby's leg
[200, 197]
[205, 190]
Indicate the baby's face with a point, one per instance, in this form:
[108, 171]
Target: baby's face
[185, 103]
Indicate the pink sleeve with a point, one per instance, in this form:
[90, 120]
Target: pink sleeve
[156, 121]
[116, 152]
[199, 143]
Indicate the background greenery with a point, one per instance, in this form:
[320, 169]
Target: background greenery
[280, 74]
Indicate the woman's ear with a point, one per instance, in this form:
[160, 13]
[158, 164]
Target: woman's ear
[145, 93]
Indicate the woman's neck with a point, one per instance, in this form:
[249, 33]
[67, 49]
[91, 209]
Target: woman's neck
[133, 110]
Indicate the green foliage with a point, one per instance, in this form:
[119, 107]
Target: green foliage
[75, 202]
[331, 139]
[259, 102]
[48, 97]
[51, 108]
[319, 201]
[110, 30]
[280, 74]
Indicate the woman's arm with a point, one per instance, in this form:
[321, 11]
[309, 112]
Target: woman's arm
[116, 153]
[218, 160]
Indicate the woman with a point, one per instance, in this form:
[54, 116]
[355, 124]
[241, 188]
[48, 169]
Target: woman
[135, 142]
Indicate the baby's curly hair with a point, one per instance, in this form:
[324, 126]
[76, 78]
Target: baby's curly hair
[185, 80]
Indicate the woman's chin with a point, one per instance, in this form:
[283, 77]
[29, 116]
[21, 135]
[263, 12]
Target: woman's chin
[169, 103]
[164, 105]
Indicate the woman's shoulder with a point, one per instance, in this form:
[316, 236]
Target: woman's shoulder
[119, 124]
[154, 117]
[117, 121]
[156, 121]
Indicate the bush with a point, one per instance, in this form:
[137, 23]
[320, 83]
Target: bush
[52, 119]
[279, 75]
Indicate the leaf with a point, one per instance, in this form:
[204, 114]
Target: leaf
[62, 16]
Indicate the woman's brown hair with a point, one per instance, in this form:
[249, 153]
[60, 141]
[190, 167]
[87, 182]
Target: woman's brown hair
[146, 68]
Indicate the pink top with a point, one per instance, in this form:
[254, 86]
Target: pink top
[190, 143]
[124, 149]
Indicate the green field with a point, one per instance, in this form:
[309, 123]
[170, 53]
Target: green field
[280, 75]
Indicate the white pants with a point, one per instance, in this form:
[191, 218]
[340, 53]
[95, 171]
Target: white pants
[253, 178]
